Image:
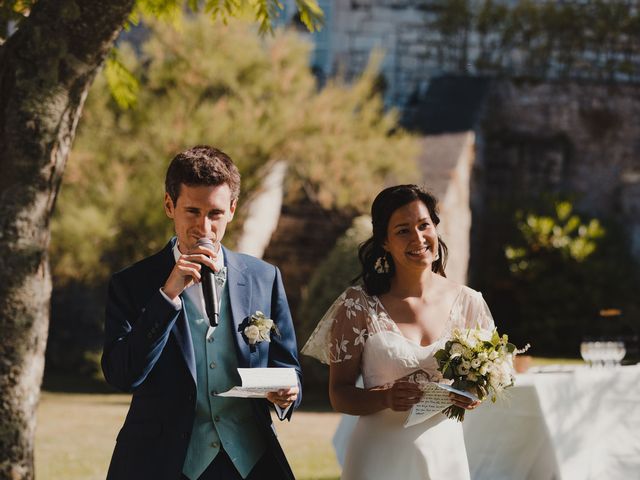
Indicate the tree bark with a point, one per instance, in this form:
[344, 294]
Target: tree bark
[46, 69]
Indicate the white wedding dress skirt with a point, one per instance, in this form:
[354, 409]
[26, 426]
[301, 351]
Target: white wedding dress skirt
[380, 447]
[358, 328]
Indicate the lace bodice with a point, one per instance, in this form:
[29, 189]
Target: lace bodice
[358, 328]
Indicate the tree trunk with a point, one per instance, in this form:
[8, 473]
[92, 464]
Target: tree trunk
[46, 69]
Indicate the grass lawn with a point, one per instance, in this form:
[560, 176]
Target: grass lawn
[76, 434]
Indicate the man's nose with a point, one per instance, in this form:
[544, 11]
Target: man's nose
[205, 224]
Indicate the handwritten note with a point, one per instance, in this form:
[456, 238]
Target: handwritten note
[434, 400]
[257, 382]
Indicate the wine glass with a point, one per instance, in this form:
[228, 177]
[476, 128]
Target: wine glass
[619, 352]
[586, 352]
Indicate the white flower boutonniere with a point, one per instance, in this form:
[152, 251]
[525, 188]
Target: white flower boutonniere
[259, 328]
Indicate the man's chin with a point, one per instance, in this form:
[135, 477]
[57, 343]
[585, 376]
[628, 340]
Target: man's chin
[185, 246]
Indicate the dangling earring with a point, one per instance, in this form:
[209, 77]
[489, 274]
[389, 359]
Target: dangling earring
[382, 264]
[437, 256]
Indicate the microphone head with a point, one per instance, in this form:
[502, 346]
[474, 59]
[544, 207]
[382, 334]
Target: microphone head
[205, 242]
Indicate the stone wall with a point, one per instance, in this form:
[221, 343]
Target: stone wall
[399, 29]
[552, 138]
[418, 46]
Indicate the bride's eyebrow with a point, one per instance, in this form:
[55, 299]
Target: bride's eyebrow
[406, 224]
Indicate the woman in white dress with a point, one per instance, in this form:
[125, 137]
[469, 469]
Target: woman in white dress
[387, 330]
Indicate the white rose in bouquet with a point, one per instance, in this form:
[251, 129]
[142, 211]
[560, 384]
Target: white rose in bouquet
[477, 360]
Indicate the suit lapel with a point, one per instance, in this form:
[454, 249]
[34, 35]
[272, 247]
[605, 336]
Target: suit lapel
[238, 282]
[182, 334]
[180, 329]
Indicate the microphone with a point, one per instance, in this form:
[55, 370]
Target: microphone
[209, 290]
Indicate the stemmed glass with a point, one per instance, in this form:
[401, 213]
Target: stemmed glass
[587, 351]
[618, 352]
[602, 353]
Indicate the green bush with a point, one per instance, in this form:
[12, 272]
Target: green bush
[559, 270]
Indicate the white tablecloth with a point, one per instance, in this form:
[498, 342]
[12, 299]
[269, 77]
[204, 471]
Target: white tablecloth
[582, 424]
[577, 425]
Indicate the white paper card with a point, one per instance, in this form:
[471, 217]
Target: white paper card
[257, 382]
[434, 400]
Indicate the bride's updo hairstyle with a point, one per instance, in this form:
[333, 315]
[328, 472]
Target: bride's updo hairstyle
[387, 202]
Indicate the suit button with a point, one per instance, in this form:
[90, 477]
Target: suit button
[216, 418]
[213, 393]
[212, 365]
[210, 339]
[215, 444]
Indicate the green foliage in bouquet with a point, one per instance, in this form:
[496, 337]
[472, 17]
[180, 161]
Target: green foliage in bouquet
[477, 361]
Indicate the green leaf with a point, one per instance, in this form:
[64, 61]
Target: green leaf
[124, 86]
[563, 210]
[311, 14]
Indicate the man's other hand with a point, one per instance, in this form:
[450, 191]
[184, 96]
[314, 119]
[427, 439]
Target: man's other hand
[283, 398]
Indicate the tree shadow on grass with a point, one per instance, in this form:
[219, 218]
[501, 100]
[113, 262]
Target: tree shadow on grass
[69, 382]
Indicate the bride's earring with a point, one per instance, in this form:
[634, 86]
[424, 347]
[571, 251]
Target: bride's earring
[382, 264]
[437, 256]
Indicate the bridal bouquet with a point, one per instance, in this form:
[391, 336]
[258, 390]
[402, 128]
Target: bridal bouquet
[479, 361]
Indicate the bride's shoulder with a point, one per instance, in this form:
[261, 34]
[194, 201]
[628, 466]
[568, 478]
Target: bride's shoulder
[354, 291]
[465, 290]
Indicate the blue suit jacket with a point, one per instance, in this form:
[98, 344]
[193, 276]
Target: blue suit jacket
[148, 351]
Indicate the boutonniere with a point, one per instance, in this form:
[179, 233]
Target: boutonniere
[259, 328]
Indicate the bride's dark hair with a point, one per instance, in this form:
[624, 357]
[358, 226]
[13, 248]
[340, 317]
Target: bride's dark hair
[387, 202]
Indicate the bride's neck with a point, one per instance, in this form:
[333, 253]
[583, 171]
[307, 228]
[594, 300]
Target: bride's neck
[406, 284]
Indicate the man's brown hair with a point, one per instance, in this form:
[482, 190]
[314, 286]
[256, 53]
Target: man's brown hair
[202, 165]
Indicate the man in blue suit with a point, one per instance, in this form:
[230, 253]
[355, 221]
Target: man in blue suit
[160, 346]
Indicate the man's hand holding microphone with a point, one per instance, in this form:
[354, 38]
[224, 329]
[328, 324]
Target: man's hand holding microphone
[189, 270]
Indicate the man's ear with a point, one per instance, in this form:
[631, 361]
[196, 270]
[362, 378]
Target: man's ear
[169, 207]
[232, 208]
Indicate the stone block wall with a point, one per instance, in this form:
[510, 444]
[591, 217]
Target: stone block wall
[564, 138]
[416, 50]
[399, 28]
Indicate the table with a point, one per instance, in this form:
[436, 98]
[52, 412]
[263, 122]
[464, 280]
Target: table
[560, 425]
[569, 423]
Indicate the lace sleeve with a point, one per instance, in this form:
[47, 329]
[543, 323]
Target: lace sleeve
[475, 312]
[342, 332]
